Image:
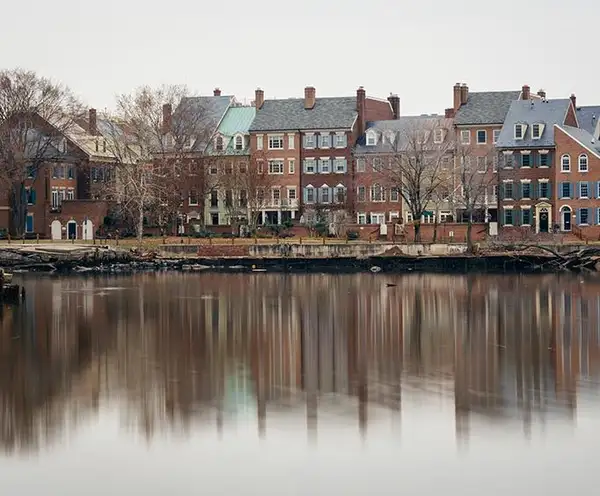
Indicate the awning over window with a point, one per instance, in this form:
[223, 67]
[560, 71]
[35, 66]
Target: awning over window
[428, 213]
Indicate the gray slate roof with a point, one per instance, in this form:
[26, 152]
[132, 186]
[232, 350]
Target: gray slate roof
[402, 130]
[585, 117]
[548, 112]
[289, 114]
[213, 109]
[584, 137]
[488, 107]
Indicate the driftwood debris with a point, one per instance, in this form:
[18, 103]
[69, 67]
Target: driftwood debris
[580, 260]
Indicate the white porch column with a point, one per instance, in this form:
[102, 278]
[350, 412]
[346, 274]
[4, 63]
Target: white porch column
[278, 217]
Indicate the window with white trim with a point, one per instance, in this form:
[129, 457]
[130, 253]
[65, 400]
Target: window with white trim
[309, 141]
[377, 193]
[536, 131]
[519, 131]
[275, 166]
[219, 144]
[371, 138]
[565, 163]
[361, 218]
[481, 137]
[291, 193]
[291, 166]
[275, 142]
[339, 165]
[310, 166]
[291, 142]
[324, 166]
[310, 194]
[259, 142]
[481, 164]
[239, 142]
[583, 163]
[465, 136]
[438, 136]
[341, 141]
[361, 194]
[394, 194]
[495, 135]
[325, 140]
[360, 165]
[584, 190]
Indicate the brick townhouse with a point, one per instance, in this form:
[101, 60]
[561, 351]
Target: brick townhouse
[529, 165]
[478, 119]
[309, 143]
[378, 199]
[56, 188]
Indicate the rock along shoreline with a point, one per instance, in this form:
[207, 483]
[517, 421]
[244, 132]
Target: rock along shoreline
[110, 260]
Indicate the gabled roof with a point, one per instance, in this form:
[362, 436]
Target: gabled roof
[237, 121]
[401, 130]
[585, 138]
[588, 117]
[486, 107]
[290, 114]
[546, 112]
[212, 109]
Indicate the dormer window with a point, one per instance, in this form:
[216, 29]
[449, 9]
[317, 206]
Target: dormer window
[389, 135]
[536, 131]
[239, 142]
[438, 136]
[371, 138]
[219, 144]
[519, 131]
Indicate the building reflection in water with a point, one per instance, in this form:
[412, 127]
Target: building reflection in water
[174, 351]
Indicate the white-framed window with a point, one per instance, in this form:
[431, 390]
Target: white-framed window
[310, 166]
[377, 193]
[465, 136]
[481, 136]
[394, 216]
[70, 194]
[239, 142]
[445, 215]
[495, 135]
[291, 166]
[276, 196]
[360, 165]
[325, 194]
[394, 194]
[259, 142]
[377, 164]
[508, 216]
[526, 216]
[565, 163]
[291, 192]
[584, 190]
[508, 190]
[340, 140]
[445, 162]
[361, 218]
[371, 138]
[325, 166]
[339, 165]
[325, 140]
[55, 198]
[536, 131]
[361, 194]
[275, 166]
[495, 163]
[193, 198]
[276, 142]
[438, 136]
[339, 194]
[519, 131]
[291, 141]
[219, 143]
[309, 141]
[309, 194]
[508, 160]
[481, 164]
[377, 218]
[583, 163]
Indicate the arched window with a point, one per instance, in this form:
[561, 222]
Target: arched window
[377, 193]
[565, 163]
[239, 143]
[583, 163]
[219, 144]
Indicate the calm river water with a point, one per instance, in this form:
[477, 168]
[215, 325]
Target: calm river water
[172, 384]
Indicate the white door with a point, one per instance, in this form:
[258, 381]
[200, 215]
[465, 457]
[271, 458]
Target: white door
[88, 229]
[56, 230]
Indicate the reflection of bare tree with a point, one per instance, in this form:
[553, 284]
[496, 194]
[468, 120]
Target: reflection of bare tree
[172, 350]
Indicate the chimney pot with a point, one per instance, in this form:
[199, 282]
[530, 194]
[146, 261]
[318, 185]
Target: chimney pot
[457, 99]
[395, 104]
[361, 98]
[525, 92]
[92, 122]
[167, 117]
[217, 92]
[542, 94]
[574, 100]
[310, 97]
[259, 98]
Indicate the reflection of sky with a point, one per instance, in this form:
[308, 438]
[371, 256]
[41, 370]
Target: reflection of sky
[239, 398]
[414, 453]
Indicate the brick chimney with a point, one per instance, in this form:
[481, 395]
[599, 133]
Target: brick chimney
[217, 92]
[464, 93]
[92, 122]
[449, 113]
[361, 103]
[574, 100]
[542, 94]
[310, 97]
[525, 92]
[395, 104]
[457, 100]
[167, 118]
[259, 98]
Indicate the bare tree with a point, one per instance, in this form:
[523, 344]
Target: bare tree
[474, 176]
[152, 147]
[415, 162]
[35, 116]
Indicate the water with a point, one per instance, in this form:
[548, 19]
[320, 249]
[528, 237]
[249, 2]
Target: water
[299, 385]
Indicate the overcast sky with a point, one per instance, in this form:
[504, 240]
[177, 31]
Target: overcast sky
[417, 49]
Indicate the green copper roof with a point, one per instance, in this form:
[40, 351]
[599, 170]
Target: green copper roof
[237, 120]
